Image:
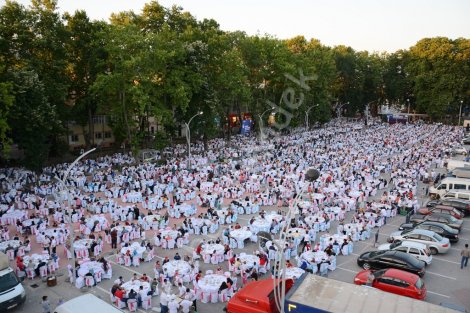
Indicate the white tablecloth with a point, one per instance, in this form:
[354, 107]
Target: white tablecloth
[102, 221]
[314, 256]
[82, 244]
[86, 266]
[311, 219]
[240, 234]
[169, 232]
[249, 259]
[34, 259]
[209, 249]
[182, 267]
[211, 283]
[10, 218]
[30, 221]
[296, 232]
[13, 243]
[261, 224]
[135, 246]
[294, 272]
[136, 286]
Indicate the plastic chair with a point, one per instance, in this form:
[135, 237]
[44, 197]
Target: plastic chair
[132, 305]
[135, 261]
[146, 303]
[30, 273]
[127, 260]
[214, 297]
[120, 304]
[11, 255]
[43, 271]
[89, 281]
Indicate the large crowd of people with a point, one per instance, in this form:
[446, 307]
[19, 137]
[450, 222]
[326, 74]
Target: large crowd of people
[137, 210]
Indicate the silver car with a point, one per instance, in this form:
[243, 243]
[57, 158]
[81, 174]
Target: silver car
[434, 242]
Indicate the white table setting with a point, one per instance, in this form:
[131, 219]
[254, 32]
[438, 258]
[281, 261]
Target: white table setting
[211, 282]
[135, 249]
[12, 243]
[90, 266]
[34, 259]
[293, 272]
[181, 266]
[165, 233]
[135, 285]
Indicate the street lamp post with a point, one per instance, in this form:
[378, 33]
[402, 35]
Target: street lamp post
[188, 136]
[308, 111]
[261, 122]
[460, 110]
[65, 188]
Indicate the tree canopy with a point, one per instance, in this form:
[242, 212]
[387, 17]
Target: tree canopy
[163, 63]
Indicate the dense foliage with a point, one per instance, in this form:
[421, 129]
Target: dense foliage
[162, 63]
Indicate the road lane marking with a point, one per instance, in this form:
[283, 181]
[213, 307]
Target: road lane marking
[347, 270]
[438, 294]
[439, 259]
[448, 277]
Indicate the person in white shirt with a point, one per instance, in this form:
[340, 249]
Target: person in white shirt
[186, 305]
[163, 302]
[173, 306]
[119, 281]
[181, 289]
[191, 296]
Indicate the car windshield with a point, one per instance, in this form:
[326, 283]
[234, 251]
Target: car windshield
[379, 273]
[437, 237]
[376, 253]
[419, 283]
[8, 281]
[452, 219]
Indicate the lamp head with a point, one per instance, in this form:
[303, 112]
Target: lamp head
[200, 112]
[312, 174]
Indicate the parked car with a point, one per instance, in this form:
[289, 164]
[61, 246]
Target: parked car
[418, 250]
[439, 228]
[459, 204]
[459, 150]
[394, 281]
[435, 242]
[466, 141]
[444, 209]
[391, 259]
[437, 217]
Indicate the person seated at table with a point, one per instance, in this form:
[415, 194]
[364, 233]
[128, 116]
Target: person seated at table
[186, 258]
[181, 290]
[132, 295]
[289, 264]
[120, 293]
[218, 241]
[39, 265]
[144, 277]
[177, 257]
[20, 265]
[90, 274]
[198, 276]
[223, 286]
[254, 274]
[165, 260]
[237, 226]
[329, 250]
[166, 285]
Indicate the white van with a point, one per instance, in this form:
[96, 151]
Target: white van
[449, 183]
[12, 293]
[86, 303]
[451, 164]
[457, 194]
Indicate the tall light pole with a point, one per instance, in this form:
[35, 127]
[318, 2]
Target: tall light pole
[460, 110]
[261, 122]
[188, 136]
[308, 111]
[408, 116]
[69, 200]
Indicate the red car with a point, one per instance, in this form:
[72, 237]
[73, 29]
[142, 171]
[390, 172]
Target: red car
[442, 209]
[394, 281]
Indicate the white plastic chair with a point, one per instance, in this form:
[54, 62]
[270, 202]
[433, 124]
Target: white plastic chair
[132, 305]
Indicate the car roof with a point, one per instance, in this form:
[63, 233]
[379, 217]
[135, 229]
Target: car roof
[422, 232]
[412, 244]
[400, 274]
[439, 214]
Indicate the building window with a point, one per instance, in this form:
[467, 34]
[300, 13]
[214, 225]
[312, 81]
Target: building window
[107, 135]
[74, 138]
[98, 135]
[99, 119]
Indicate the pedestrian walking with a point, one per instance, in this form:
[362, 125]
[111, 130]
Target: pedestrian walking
[376, 237]
[465, 253]
[46, 306]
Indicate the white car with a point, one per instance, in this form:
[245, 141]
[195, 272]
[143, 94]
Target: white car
[434, 242]
[418, 250]
[459, 150]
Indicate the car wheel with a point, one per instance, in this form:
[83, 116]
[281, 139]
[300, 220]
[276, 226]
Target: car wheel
[366, 266]
[433, 250]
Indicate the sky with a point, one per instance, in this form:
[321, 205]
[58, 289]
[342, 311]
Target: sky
[372, 25]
